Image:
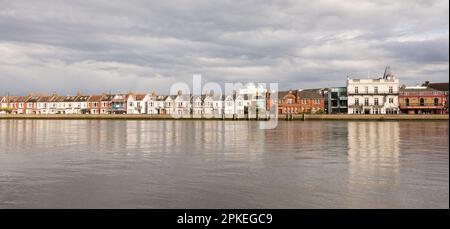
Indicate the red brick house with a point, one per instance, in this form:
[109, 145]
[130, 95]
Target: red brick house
[300, 101]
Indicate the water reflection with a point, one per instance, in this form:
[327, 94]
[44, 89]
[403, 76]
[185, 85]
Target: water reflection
[374, 162]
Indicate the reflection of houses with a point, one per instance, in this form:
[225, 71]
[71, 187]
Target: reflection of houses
[373, 96]
[373, 152]
[336, 100]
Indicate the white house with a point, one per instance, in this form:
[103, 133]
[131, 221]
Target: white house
[151, 105]
[156, 104]
[182, 104]
[229, 105]
[218, 104]
[3, 102]
[137, 103]
[44, 104]
[373, 96]
[80, 104]
[254, 98]
[169, 104]
[197, 105]
[239, 107]
[208, 105]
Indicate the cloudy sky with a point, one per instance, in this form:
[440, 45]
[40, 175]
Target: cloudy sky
[98, 46]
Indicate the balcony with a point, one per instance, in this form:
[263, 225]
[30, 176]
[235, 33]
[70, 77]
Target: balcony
[373, 93]
[421, 105]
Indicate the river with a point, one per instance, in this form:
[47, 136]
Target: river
[223, 164]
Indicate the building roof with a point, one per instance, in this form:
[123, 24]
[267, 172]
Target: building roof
[282, 94]
[12, 99]
[69, 98]
[107, 97]
[22, 99]
[82, 98]
[140, 97]
[95, 98]
[160, 98]
[439, 86]
[418, 89]
[309, 94]
[44, 99]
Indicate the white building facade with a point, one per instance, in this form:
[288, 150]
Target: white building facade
[373, 96]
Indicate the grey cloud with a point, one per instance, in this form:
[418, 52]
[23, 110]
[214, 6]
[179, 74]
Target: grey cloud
[147, 45]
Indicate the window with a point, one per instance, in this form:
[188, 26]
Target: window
[422, 102]
[391, 100]
[407, 102]
[366, 90]
[375, 101]
[356, 90]
[289, 101]
[366, 102]
[391, 90]
[436, 101]
[375, 90]
[357, 102]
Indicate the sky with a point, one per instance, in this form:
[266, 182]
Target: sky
[145, 46]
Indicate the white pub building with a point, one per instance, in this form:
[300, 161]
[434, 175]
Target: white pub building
[373, 96]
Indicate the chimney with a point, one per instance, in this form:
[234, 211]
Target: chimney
[426, 83]
[179, 92]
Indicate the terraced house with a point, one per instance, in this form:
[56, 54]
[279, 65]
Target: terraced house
[300, 101]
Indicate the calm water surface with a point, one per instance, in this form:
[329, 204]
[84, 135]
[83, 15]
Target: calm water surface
[223, 164]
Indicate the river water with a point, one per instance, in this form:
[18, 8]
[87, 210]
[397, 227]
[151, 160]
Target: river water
[223, 164]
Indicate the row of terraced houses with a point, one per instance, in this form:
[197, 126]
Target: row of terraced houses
[244, 101]
[381, 95]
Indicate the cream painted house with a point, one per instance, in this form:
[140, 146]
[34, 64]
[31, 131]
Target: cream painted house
[373, 96]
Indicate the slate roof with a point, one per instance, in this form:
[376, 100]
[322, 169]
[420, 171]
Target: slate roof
[95, 98]
[45, 99]
[309, 94]
[439, 86]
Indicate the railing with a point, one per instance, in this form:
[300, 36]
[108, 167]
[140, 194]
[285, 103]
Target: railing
[421, 104]
[373, 93]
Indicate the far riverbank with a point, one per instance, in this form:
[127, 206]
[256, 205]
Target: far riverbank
[301, 117]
